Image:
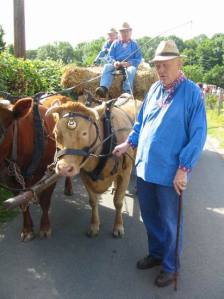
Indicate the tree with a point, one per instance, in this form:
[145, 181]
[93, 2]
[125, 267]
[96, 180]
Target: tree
[200, 38]
[85, 53]
[179, 42]
[10, 49]
[57, 51]
[31, 54]
[47, 52]
[191, 44]
[2, 43]
[78, 53]
[191, 57]
[193, 72]
[210, 53]
[204, 54]
[148, 46]
[215, 76]
[65, 52]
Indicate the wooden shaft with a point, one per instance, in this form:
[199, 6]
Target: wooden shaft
[27, 196]
[178, 240]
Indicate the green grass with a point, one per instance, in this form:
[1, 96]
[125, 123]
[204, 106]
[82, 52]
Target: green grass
[216, 125]
[6, 215]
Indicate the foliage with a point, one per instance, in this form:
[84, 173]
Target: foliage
[85, 53]
[191, 57]
[211, 101]
[10, 49]
[26, 77]
[193, 72]
[210, 53]
[31, 54]
[57, 51]
[215, 76]
[216, 126]
[5, 215]
[2, 43]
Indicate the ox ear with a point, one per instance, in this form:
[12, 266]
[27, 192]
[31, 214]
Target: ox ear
[99, 111]
[22, 107]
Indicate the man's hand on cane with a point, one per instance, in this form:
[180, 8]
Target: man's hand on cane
[180, 181]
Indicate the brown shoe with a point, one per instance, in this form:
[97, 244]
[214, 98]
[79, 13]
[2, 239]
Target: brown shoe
[164, 279]
[148, 262]
[101, 92]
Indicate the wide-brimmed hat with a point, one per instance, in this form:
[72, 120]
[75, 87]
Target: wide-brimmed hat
[112, 31]
[166, 50]
[125, 26]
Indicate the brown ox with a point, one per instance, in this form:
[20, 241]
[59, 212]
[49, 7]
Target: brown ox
[80, 129]
[22, 114]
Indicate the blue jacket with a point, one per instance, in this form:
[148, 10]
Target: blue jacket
[129, 52]
[104, 52]
[169, 137]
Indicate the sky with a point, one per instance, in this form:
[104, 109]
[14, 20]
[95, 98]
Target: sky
[75, 21]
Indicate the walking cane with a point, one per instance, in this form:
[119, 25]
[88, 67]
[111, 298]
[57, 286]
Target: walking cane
[178, 240]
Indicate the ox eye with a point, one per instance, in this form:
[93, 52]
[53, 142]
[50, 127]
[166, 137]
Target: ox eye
[84, 133]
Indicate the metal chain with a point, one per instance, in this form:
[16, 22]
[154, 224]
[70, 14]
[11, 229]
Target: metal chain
[14, 170]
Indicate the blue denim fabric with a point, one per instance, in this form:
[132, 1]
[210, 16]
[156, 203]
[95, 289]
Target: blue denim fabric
[107, 77]
[159, 210]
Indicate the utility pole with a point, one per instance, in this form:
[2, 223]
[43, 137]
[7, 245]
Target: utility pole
[19, 29]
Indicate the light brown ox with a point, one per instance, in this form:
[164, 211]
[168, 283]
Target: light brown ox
[83, 136]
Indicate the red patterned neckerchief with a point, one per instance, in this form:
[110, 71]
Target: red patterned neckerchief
[170, 89]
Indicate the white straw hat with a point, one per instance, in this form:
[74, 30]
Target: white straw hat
[166, 50]
[125, 26]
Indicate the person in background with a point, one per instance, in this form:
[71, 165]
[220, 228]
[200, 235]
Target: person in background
[123, 54]
[169, 135]
[102, 56]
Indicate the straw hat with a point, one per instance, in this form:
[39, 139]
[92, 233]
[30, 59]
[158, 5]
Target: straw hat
[166, 50]
[112, 31]
[125, 26]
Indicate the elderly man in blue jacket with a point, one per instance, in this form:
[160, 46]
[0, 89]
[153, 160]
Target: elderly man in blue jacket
[103, 54]
[169, 135]
[124, 53]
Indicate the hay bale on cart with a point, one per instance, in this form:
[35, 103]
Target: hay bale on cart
[78, 76]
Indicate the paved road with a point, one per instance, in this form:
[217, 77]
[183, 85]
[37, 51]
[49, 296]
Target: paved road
[69, 265]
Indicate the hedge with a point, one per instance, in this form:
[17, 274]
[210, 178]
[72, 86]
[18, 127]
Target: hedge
[25, 77]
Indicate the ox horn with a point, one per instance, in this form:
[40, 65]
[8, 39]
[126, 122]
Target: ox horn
[54, 108]
[99, 110]
[4, 103]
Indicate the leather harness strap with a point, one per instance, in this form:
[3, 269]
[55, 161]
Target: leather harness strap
[108, 146]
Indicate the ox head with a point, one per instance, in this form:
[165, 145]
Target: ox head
[76, 132]
[8, 114]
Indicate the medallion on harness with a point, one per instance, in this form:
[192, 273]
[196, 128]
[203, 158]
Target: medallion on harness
[71, 124]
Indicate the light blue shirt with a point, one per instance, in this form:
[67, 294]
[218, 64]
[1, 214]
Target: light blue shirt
[169, 137]
[129, 52]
